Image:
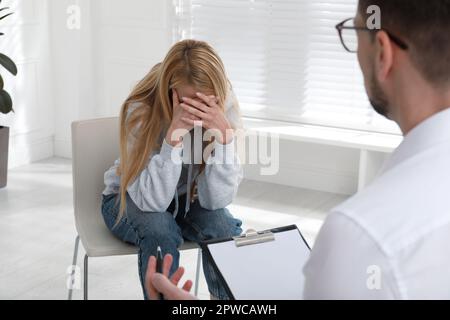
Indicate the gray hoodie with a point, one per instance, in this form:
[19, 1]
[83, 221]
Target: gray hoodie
[170, 174]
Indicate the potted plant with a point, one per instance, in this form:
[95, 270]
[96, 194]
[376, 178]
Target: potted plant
[6, 106]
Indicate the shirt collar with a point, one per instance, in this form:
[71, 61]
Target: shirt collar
[431, 132]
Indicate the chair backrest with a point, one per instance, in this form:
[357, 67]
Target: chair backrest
[95, 147]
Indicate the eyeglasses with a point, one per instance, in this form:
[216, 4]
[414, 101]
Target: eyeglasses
[349, 37]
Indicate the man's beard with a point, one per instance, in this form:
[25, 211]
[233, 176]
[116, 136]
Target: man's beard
[378, 99]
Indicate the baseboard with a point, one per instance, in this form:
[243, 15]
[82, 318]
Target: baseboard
[25, 149]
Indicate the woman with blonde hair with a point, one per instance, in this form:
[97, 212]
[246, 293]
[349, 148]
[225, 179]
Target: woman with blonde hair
[156, 194]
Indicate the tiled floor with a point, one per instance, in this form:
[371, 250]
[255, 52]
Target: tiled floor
[37, 232]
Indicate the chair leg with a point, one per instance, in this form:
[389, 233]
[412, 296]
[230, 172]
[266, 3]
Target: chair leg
[197, 273]
[85, 287]
[74, 263]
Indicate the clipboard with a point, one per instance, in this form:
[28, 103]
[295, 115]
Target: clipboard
[265, 265]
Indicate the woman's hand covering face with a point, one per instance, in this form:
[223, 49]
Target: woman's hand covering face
[210, 114]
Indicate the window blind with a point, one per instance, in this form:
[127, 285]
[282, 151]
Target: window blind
[284, 59]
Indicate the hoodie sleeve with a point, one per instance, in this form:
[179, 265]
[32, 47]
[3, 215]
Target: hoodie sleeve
[219, 183]
[154, 189]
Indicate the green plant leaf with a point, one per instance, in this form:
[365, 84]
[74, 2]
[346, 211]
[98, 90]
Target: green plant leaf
[3, 9]
[8, 64]
[6, 15]
[6, 105]
[2, 84]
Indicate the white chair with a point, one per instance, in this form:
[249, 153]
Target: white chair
[95, 146]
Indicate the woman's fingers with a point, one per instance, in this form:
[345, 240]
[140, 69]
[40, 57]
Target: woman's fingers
[211, 101]
[214, 99]
[198, 105]
[194, 111]
[192, 123]
[151, 270]
[192, 117]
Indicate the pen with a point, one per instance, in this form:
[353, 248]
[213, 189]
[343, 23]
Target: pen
[159, 263]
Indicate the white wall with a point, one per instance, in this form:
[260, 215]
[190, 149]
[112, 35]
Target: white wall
[96, 66]
[74, 87]
[27, 43]
[129, 40]
[313, 166]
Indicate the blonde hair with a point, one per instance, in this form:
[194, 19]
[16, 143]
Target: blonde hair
[188, 62]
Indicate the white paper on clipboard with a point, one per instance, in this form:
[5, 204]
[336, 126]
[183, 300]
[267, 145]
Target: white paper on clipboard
[264, 271]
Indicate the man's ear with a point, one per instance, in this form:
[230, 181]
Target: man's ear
[384, 57]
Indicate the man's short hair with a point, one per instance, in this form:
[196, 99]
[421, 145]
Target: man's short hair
[425, 26]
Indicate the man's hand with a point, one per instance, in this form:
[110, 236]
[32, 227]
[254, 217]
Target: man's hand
[156, 283]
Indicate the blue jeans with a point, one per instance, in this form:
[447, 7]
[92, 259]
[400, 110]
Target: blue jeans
[148, 230]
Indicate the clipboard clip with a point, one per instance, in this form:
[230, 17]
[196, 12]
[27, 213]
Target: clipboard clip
[253, 237]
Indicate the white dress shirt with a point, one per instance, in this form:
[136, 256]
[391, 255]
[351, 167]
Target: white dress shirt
[392, 240]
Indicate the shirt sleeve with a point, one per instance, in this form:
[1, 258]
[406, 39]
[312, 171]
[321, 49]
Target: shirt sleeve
[154, 189]
[346, 263]
[219, 183]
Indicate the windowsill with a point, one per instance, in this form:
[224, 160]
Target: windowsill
[354, 139]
